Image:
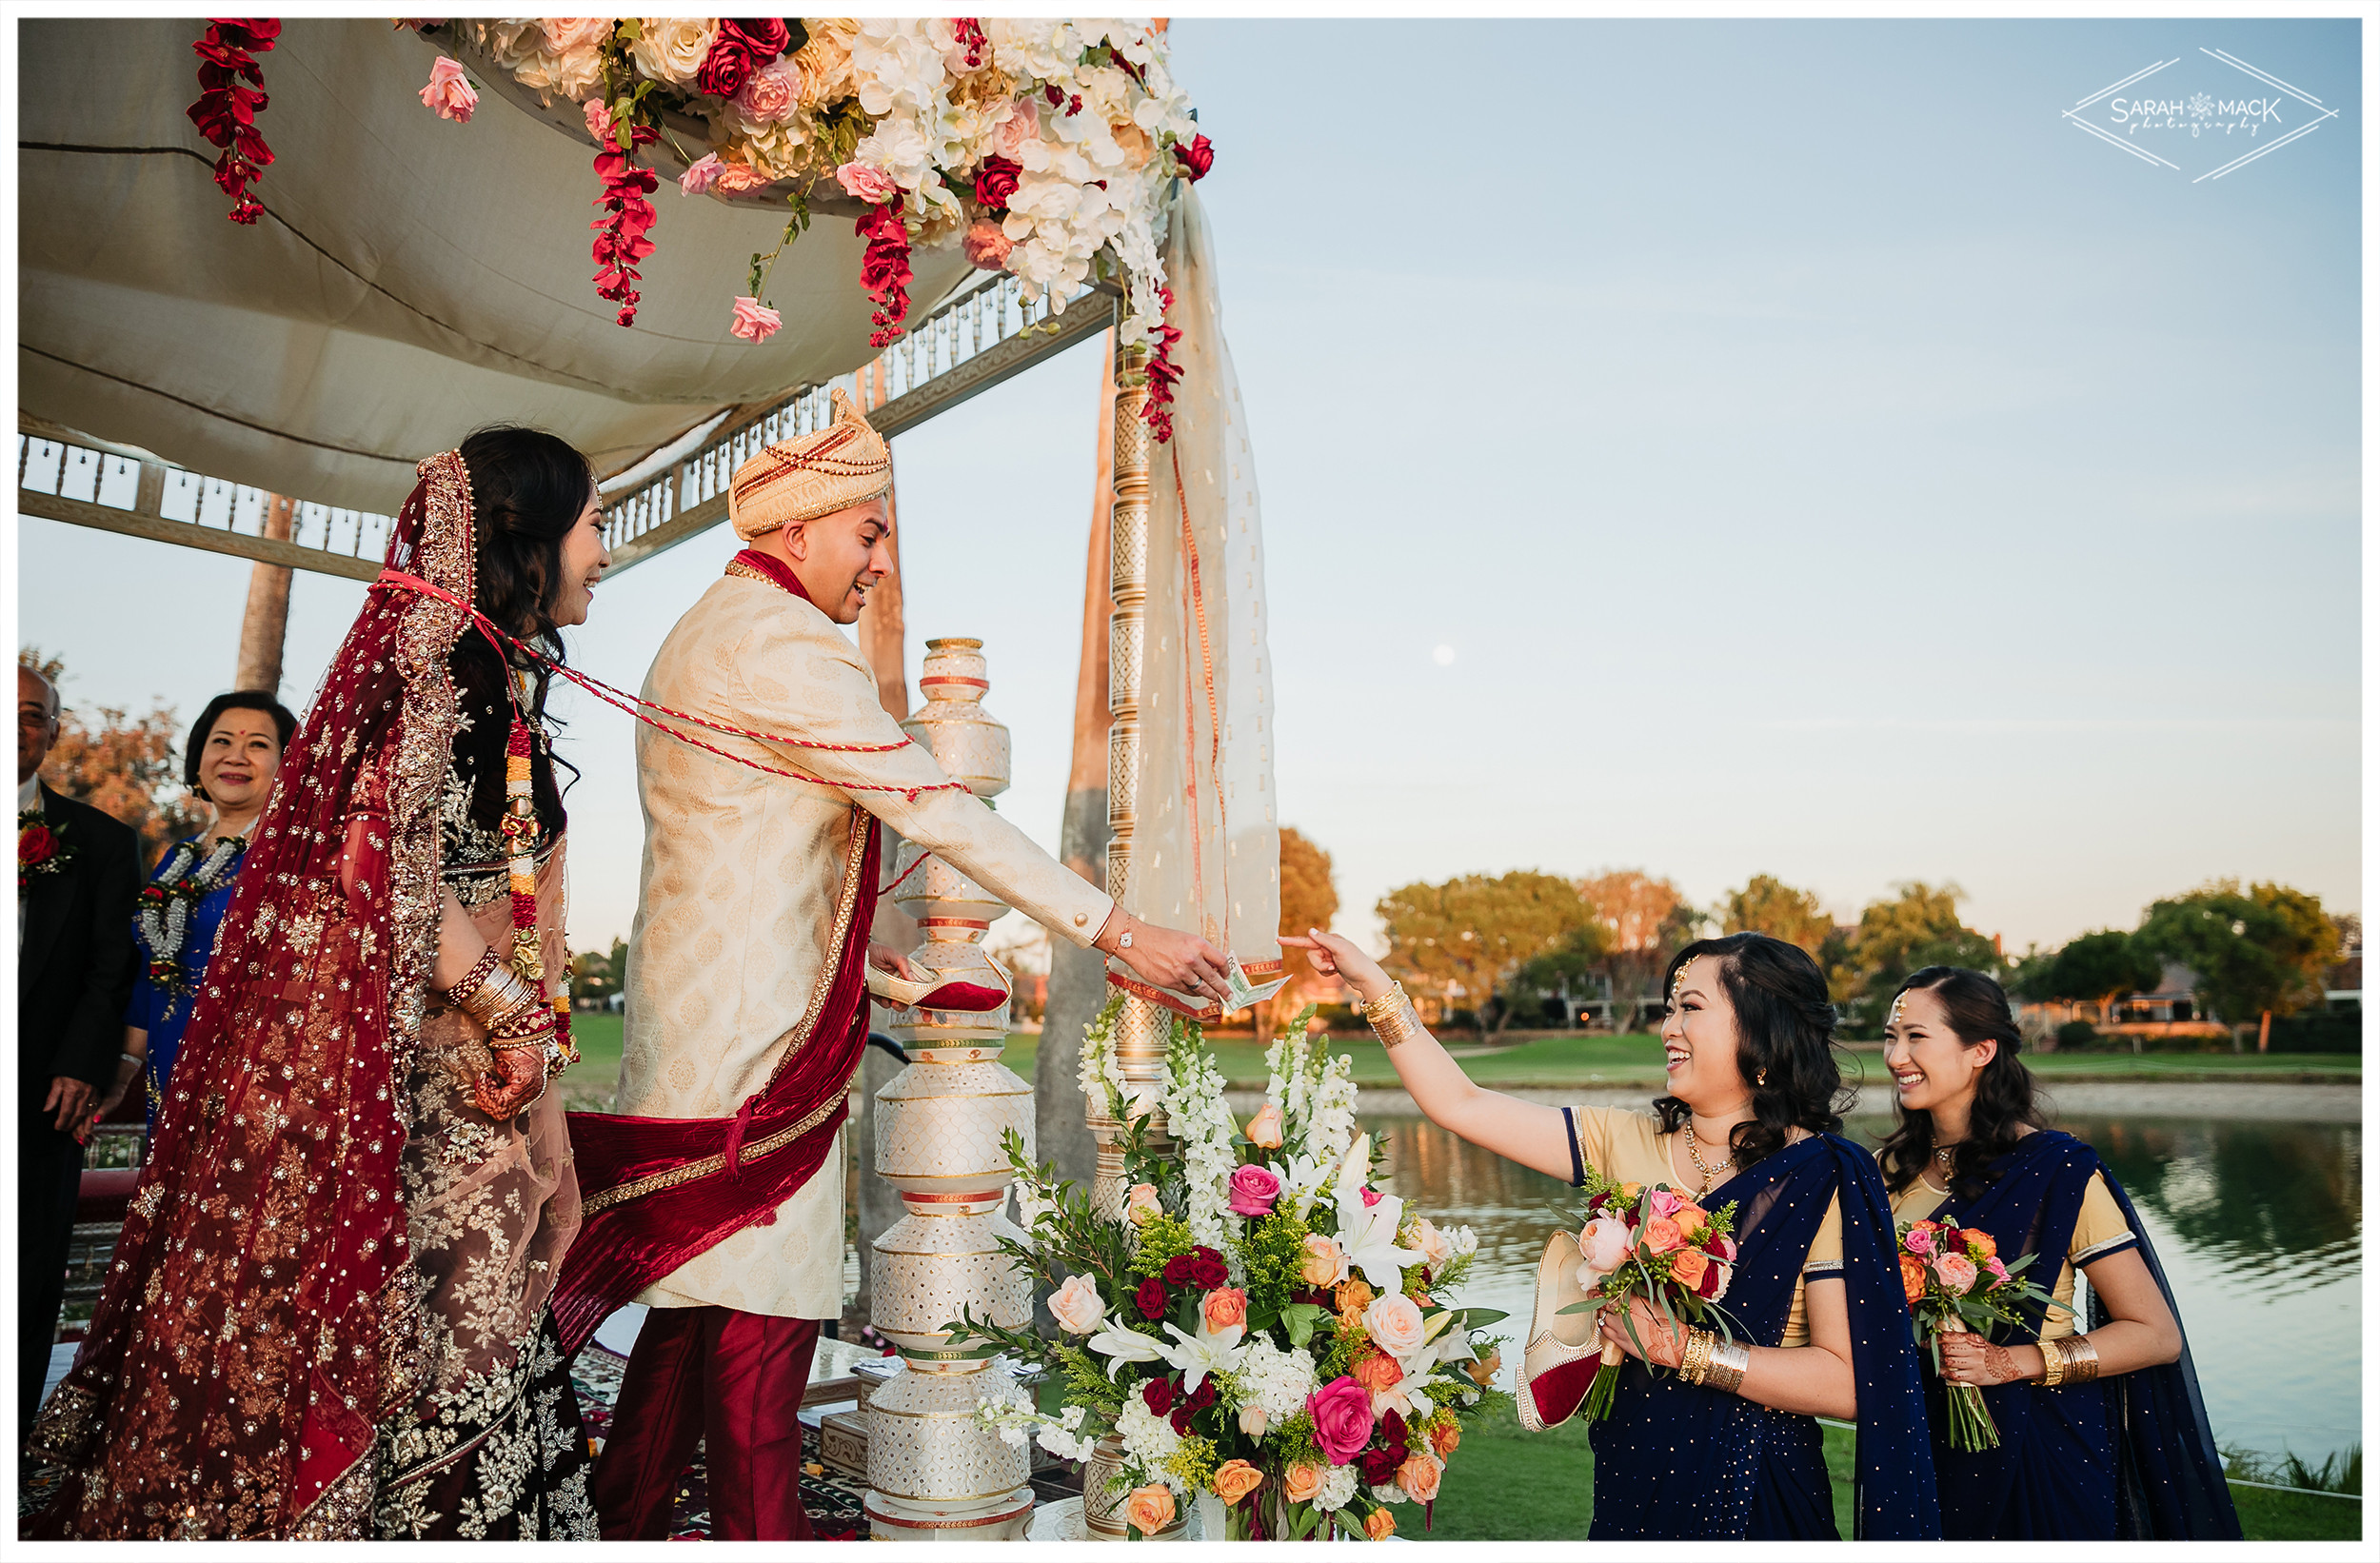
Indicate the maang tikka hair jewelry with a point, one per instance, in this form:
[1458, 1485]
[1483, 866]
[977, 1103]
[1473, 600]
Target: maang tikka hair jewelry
[1899, 999]
[1677, 983]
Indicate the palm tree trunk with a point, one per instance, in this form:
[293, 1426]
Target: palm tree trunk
[264, 627]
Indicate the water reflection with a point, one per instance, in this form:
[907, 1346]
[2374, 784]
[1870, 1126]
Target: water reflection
[2259, 1226]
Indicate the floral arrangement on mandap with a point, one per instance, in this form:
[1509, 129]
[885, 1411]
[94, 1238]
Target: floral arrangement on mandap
[1655, 1244]
[1043, 146]
[1261, 1323]
[1956, 1284]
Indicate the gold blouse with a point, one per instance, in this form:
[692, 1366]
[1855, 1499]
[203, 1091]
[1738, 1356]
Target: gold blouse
[2099, 1231]
[1629, 1146]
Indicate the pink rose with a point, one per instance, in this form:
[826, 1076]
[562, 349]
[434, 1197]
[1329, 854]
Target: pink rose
[771, 94]
[1140, 1204]
[700, 177]
[1022, 124]
[736, 178]
[867, 181]
[1667, 1201]
[1920, 1241]
[1604, 1244]
[1342, 1419]
[754, 322]
[448, 93]
[1254, 1188]
[1396, 1323]
[1956, 1270]
[564, 34]
[598, 119]
[2000, 1270]
[1371, 1197]
[1265, 1128]
[1076, 1306]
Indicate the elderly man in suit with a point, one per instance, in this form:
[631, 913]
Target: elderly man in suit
[77, 876]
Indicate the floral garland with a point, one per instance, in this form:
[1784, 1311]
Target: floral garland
[226, 111]
[41, 847]
[165, 902]
[620, 238]
[1162, 372]
[1045, 147]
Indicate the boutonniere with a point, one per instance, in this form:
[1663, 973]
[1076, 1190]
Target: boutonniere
[40, 849]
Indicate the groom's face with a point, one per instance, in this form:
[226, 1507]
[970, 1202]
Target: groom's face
[840, 554]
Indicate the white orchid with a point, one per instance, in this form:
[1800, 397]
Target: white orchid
[1125, 1345]
[1196, 1355]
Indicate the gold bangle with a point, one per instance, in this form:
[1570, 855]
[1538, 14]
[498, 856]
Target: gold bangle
[1376, 1010]
[2052, 1363]
[1393, 1017]
[504, 993]
[482, 969]
[2082, 1359]
[1728, 1364]
[1696, 1360]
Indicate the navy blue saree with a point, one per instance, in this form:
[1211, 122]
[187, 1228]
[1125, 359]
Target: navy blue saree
[2129, 1458]
[1678, 1461]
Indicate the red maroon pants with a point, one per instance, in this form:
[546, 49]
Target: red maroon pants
[733, 1382]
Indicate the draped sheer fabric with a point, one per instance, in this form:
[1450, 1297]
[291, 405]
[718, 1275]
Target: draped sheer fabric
[264, 1315]
[2130, 1457]
[1679, 1461]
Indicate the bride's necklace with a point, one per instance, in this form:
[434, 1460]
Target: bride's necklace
[1693, 1150]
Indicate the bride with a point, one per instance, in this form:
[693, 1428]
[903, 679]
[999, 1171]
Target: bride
[327, 1315]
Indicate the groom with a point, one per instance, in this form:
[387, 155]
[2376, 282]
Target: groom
[744, 996]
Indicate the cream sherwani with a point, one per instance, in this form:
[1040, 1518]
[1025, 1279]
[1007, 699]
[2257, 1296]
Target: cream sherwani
[738, 894]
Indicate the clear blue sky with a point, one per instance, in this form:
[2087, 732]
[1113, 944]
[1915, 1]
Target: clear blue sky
[1816, 457]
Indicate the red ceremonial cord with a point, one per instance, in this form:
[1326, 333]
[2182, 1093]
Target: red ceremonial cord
[636, 705]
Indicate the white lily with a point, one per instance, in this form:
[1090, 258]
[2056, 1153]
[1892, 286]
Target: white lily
[1124, 1345]
[1367, 1233]
[1199, 1355]
[1303, 1178]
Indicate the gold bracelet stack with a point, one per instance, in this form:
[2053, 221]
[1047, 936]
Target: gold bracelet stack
[1393, 1020]
[1728, 1364]
[2069, 1359]
[1696, 1363]
[472, 981]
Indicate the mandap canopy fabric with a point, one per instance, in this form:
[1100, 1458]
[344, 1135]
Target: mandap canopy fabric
[409, 276]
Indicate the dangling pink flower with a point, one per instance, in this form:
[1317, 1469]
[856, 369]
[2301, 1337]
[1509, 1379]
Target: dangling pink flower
[867, 183]
[700, 178]
[754, 322]
[598, 120]
[986, 246]
[450, 91]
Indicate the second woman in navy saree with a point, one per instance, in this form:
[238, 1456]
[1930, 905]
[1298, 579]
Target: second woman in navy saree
[2103, 1435]
[1751, 1117]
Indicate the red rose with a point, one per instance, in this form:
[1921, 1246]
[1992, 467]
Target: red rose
[1379, 1466]
[766, 37]
[727, 66]
[1151, 1298]
[1157, 1394]
[1393, 1431]
[35, 846]
[1207, 1269]
[1180, 1420]
[1196, 158]
[996, 182]
[1178, 1269]
[1204, 1397]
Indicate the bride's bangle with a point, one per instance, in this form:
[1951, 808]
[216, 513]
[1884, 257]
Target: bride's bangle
[1393, 1017]
[1727, 1367]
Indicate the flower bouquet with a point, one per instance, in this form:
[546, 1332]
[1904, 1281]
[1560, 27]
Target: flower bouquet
[1259, 1325]
[1956, 1284]
[1656, 1243]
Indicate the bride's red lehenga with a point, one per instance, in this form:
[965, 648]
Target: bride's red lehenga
[327, 1314]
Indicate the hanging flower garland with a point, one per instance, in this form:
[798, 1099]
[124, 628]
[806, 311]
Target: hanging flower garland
[166, 900]
[226, 111]
[1163, 371]
[1045, 147]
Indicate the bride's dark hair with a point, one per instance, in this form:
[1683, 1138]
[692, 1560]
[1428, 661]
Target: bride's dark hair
[2006, 1102]
[1784, 1041]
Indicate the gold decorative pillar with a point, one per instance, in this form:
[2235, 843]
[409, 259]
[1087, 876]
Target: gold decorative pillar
[1142, 1026]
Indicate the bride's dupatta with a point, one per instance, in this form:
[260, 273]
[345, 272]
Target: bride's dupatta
[1680, 1462]
[260, 1316]
[2130, 1457]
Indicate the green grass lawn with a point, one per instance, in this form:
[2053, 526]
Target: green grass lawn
[1507, 1485]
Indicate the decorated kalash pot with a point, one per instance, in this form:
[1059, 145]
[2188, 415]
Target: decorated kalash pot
[935, 1471]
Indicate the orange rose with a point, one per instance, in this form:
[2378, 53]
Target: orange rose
[1236, 1479]
[1300, 1482]
[1687, 1265]
[1376, 1371]
[1419, 1477]
[1380, 1525]
[1354, 1294]
[1913, 1276]
[1225, 1306]
[1662, 1237]
[1632, 1192]
[1691, 1219]
[1483, 1369]
[1321, 1264]
[1446, 1437]
[1980, 1245]
[1149, 1510]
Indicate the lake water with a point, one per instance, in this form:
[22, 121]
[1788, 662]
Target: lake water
[2259, 1226]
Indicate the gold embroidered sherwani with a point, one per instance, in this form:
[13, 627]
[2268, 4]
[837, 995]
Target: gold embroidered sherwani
[737, 898]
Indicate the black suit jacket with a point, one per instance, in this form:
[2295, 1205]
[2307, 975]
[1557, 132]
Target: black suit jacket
[75, 966]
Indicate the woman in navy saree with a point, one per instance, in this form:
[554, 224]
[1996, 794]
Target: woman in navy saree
[2103, 1433]
[1751, 1118]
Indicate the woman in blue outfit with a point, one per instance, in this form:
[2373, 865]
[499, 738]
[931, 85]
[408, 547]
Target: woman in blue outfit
[1751, 1118]
[234, 753]
[2103, 1435]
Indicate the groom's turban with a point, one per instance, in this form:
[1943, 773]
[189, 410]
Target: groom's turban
[843, 464]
